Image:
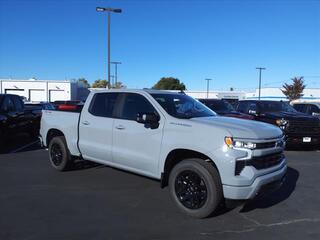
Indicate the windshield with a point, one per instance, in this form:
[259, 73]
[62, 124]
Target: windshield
[275, 107]
[182, 106]
[220, 106]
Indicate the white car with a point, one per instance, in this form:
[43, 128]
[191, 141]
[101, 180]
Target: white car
[311, 108]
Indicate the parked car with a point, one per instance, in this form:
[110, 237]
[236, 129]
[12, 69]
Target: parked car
[224, 108]
[169, 136]
[14, 118]
[310, 108]
[299, 128]
[38, 107]
[66, 102]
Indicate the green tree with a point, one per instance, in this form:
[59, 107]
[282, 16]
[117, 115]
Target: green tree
[118, 85]
[169, 83]
[82, 82]
[294, 91]
[100, 83]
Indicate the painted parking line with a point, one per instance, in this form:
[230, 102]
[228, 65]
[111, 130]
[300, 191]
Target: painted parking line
[25, 146]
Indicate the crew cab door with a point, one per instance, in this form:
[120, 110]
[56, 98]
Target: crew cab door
[136, 146]
[13, 121]
[96, 127]
[24, 121]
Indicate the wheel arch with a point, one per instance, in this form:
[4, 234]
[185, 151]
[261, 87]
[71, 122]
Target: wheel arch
[53, 132]
[178, 155]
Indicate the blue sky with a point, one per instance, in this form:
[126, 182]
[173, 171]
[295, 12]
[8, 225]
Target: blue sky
[190, 40]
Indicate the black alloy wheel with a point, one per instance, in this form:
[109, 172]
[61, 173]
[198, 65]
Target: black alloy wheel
[191, 189]
[56, 154]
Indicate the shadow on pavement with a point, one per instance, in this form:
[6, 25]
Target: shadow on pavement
[21, 142]
[281, 194]
[83, 164]
[303, 148]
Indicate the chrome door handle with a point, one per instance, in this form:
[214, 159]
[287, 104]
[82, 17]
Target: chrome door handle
[120, 127]
[85, 123]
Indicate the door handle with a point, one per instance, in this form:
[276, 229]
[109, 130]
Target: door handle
[120, 127]
[85, 123]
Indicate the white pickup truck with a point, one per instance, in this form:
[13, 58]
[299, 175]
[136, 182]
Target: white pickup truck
[204, 158]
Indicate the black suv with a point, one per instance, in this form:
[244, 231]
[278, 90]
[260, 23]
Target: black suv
[299, 128]
[14, 118]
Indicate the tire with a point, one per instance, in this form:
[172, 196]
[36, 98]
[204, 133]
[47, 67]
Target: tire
[3, 142]
[59, 155]
[195, 187]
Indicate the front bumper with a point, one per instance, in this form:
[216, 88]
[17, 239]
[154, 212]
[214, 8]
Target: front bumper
[296, 139]
[258, 185]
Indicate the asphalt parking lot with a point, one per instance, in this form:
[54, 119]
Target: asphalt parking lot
[97, 202]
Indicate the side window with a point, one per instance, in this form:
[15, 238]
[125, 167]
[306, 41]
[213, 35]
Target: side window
[243, 107]
[313, 109]
[134, 104]
[300, 107]
[7, 104]
[102, 104]
[18, 103]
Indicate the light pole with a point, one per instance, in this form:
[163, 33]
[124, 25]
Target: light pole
[260, 69]
[109, 10]
[116, 71]
[208, 79]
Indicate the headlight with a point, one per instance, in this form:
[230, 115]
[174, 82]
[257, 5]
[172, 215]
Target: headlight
[238, 144]
[281, 122]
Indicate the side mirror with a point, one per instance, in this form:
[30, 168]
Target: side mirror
[253, 112]
[148, 118]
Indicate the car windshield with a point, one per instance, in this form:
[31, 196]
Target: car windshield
[275, 107]
[220, 105]
[182, 106]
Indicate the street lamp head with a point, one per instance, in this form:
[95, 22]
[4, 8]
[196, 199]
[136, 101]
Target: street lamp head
[100, 9]
[117, 10]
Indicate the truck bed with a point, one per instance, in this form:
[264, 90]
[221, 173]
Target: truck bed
[64, 121]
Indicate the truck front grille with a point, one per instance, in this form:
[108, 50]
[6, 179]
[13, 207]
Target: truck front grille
[304, 127]
[261, 162]
[265, 145]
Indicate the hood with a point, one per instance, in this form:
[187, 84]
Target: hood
[240, 128]
[235, 114]
[290, 116]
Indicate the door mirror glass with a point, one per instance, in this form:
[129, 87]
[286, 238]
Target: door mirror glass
[252, 112]
[147, 118]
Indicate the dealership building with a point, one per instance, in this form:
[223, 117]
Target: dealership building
[275, 93]
[34, 90]
[270, 93]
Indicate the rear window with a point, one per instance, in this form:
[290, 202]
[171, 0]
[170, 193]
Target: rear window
[102, 104]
